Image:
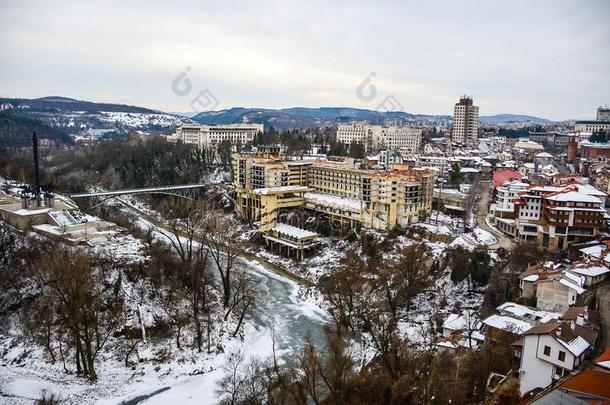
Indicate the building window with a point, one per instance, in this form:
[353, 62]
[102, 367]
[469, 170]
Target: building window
[547, 351]
[562, 356]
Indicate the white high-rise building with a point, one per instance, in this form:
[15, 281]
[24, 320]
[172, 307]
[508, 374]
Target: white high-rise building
[603, 113]
[465, 121]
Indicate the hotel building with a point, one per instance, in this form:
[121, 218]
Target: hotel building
[338, 189]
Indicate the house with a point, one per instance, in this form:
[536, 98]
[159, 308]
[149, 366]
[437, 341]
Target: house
[529, 278]
[468, 320]
[590, 386]
[461, 331]
[504, 329]
[558, 293]
[550, 351]
[593, 273]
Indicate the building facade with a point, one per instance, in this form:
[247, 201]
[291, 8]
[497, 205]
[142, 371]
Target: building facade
[377, 137]
[339, 190]
[206, 136]
[465, 122]
[557, 216]
[592, 126]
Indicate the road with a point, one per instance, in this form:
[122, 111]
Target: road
[503, 241]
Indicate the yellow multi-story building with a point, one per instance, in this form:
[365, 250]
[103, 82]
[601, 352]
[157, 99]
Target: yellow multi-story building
[338, 189]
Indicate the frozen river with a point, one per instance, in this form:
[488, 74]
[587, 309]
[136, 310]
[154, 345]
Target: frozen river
[278, 304]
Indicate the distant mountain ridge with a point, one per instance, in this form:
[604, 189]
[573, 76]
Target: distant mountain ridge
[498, 118]
[77, 116]
[304, 117]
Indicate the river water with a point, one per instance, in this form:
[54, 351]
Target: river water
[279, 312]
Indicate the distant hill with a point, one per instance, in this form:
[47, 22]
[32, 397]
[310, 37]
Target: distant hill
[86, 118]
[16, 131]
[500, 118]
[304, 117]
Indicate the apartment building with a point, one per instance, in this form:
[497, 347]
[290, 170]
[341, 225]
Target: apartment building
[503, 209]
[206, 136]
[338, 189]
[557, 216]
[465, 121]
[377, 137]
[592, 126]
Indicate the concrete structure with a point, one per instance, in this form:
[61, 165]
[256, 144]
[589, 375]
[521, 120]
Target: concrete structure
[57, 218]
[294, 241]
[206, 136]
[465, 122]
[341, 191]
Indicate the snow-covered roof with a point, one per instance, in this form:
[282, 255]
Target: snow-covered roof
[590, 190]
[531, 278]
[544, 155]
[523, 311]
[280, 189]
[468, 320]
[571, 285]
[333, 200]
[293, 231]
[507, 323]
[594, 251]
[468, 170]
[591, 271]
[574, 196]
[576, 346]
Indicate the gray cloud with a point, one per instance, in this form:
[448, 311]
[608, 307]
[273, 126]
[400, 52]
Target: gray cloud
[547, 58]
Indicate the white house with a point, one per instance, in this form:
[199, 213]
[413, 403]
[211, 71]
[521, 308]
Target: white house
[550, 351]
[593, 273]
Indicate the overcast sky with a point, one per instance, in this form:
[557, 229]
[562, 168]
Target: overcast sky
[544, 58]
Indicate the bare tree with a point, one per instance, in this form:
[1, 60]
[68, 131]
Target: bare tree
[221, 238]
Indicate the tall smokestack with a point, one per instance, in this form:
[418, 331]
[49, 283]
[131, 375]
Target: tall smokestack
[36, 168]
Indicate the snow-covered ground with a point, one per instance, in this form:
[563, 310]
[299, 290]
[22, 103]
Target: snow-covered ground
[282, 311]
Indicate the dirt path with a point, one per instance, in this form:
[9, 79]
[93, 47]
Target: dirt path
[503, 241]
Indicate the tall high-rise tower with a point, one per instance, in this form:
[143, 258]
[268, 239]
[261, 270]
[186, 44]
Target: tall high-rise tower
[603, 113]
[465, 121]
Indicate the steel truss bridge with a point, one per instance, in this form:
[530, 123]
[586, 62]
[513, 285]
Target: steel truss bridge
[188, 191]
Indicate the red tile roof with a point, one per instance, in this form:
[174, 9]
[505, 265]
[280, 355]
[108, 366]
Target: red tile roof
[593, 382]
[502, 175]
